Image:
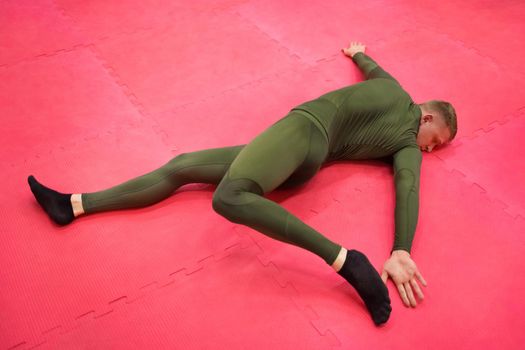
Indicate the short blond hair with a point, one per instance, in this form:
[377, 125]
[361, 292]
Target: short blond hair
[446, 111]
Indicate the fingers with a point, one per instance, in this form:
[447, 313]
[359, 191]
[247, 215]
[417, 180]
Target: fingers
[356, 43]
[414, 283]
[406, 293]
[354, 48]
[419, 277]
[406, 279]
[417, 289]
[411, 297]
[403, 294]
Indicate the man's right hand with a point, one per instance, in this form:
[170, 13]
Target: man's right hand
[404, 272]
[354, 48]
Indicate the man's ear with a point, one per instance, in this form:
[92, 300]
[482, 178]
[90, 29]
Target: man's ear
[428, 117]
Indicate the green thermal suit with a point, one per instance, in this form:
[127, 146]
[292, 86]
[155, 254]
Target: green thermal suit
[372, 119]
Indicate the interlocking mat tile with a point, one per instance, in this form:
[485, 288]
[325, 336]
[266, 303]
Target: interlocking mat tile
[31, 29]
[149, 61]
[466, 247]
[227, 305]
[94, 93]
[493, 161]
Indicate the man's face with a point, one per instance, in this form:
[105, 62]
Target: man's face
[433, 132]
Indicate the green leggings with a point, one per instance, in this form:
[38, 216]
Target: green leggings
[286, 154]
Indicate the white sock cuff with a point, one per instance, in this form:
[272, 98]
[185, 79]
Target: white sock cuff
[340, 260]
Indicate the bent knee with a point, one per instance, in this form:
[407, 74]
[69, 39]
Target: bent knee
[232, 198]
[224, 205]
[218, 204]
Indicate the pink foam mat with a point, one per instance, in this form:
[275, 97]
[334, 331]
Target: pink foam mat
[484, 166]
[240, 122]
[99, 18]
[63, 98]
[303, 28]
[31, 29]
[188, 312]
[466, 22]
[95, 93]
[145, 61]
[460, 229]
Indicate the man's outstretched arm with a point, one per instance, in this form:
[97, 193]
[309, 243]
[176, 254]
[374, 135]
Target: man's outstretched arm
[400, 267]
[407, 167]
[367, 65]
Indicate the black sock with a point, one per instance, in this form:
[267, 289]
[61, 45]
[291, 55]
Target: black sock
[360, 273]
[57, 205]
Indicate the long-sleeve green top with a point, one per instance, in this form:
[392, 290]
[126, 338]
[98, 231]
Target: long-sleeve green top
[376, 118]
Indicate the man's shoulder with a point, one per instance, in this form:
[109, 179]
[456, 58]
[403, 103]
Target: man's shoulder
[385, 85]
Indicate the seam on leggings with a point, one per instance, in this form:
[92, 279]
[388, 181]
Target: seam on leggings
[314, 121]
[162, 178]
[309, 144]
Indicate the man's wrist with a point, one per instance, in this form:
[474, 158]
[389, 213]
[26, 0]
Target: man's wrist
[400, 252]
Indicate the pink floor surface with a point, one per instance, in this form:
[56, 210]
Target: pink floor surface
[93, 93]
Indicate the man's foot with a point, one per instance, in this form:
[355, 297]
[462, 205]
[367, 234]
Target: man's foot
[360, 273]
[57, 205]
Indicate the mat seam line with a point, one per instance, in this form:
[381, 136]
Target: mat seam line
[144, 291]
[493, 198]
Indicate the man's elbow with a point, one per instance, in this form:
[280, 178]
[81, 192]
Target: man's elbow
[405, 178]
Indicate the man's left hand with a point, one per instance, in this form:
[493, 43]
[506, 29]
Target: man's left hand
[403, 271]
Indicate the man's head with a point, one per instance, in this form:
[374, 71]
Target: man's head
[438, 124]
